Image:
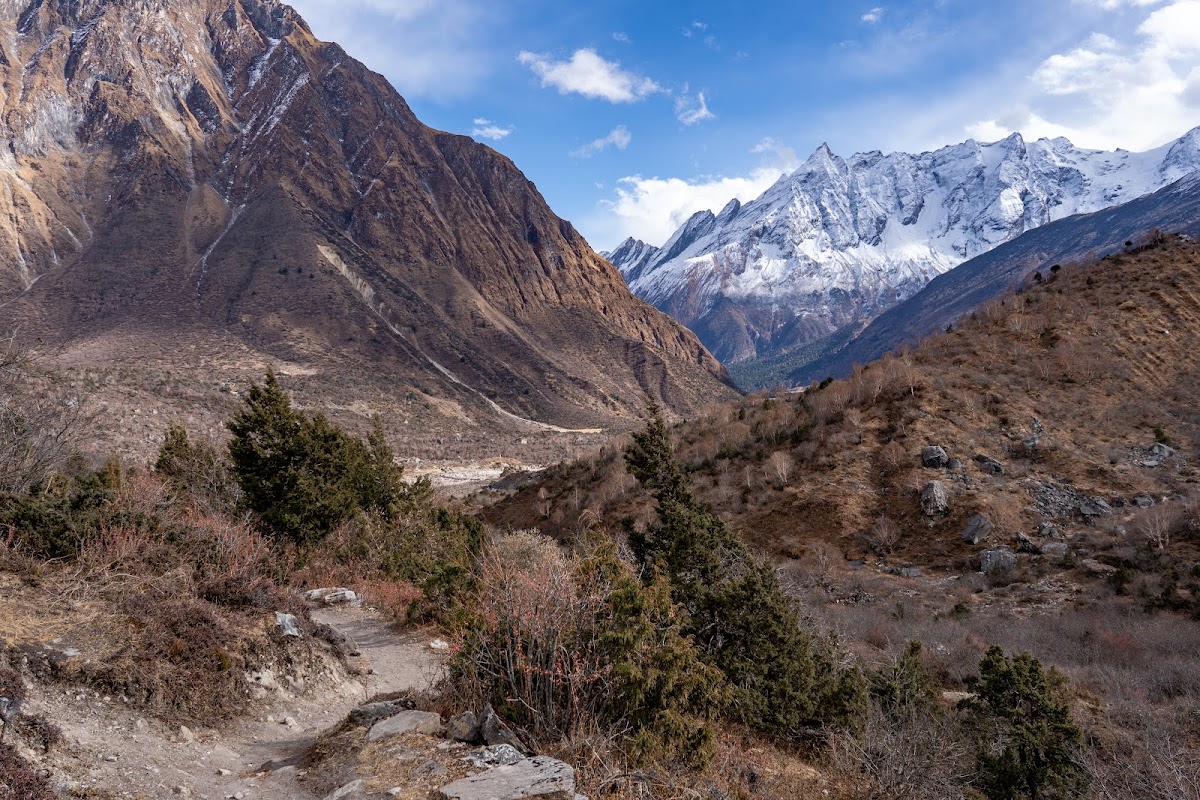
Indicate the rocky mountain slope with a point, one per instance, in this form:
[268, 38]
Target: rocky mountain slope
[205, 189]
[840, 240]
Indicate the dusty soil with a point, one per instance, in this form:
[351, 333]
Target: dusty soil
[113, 751]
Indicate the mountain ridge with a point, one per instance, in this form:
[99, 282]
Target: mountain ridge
[178, 176]
[838, 241]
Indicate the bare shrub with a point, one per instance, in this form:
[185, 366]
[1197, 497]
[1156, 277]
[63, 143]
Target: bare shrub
[42, 419]
[883, 536]
[780, 465]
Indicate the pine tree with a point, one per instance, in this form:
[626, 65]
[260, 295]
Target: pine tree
[785, 681]
[1027, 744]
[301, 475]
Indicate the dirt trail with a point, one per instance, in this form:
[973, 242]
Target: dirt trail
[110, 747]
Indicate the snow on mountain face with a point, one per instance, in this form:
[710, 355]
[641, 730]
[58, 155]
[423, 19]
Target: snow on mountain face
[841, 240]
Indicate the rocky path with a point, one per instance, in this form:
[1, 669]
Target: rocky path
[111, 748]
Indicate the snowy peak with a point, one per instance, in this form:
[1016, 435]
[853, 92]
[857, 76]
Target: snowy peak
[840, 240]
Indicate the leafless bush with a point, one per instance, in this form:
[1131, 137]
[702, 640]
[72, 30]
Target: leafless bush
[883, 536]
[42, 419]
[921, 756]
[781, 465]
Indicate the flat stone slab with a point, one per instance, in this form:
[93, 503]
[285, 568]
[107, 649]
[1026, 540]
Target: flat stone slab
[424, 722]
[540, 777]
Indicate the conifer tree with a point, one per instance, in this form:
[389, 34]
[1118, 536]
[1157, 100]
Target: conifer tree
[785, 681]
[1027, 744]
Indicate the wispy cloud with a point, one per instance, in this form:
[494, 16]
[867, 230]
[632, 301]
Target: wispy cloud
[693, 29]
[587, 74]
[438, 49]
[874, 16]
[1135, 92]
[486, 129]
[652, 209]
[692, 110]
[619, 137]
[621, 37]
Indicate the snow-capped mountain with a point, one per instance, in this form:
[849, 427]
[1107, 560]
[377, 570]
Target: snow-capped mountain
[839, 241]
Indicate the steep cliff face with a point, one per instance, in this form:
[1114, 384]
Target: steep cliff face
[208, 175]
[841, 240]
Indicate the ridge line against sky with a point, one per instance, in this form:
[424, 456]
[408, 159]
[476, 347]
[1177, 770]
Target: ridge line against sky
[631, 117]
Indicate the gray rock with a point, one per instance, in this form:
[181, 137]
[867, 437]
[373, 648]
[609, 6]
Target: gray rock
[423, 722]
[1094, 567]
[1142, 501]
[1027, 545]
[911, 572]
[1095, 507]
[1162, 451]
[493, 731]
[999, 559]
[367, 715]
[978, 528]
[431, 769]
[935, 502]
[1054, 549]
[494, 756]
[989, 465]
[464, 728]
[954, 465]
[351, 791]
[288, 625]
[542, 778]
[934, 457]
[1047, 529]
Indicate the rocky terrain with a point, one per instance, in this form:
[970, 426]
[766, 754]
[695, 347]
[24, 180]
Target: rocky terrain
[841, 240]
[205, 190]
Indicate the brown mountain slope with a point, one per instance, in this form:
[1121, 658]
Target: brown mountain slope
[206, 188]
[1067, 386]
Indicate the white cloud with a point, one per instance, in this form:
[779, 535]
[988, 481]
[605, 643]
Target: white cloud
[652, 209]
[623, 38]
[590, 75]
[1112, 5]
[1137, 92]
[619, 137]
[426, 48]
[692, 110]
[874, 16]
[486, 129]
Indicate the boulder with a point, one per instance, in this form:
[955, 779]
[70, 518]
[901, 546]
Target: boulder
[496, 756]
[540, 778]
[464, 728]
[934, 457]
[1098, 569]
[288, 625]
[351, 791]
[406, 722]
[1143, 501]
[1027, 545]
[978, 528]
[1162, 451]
[1095, 507]
[989, 465]
[999, 559]
[1054, 549]
[935, 502]
[334, 596]
[911, 572]
[368, 714]
[493, 731]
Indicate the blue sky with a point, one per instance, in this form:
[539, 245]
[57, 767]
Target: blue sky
[631, 115]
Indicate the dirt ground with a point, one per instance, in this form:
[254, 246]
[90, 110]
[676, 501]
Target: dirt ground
[111, 751]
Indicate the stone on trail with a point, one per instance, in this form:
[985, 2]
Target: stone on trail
[464, 728]
[288, 625]
[494, 731]
[539, 778]
[424, 722]
[351, 791]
